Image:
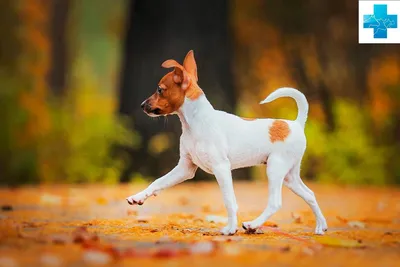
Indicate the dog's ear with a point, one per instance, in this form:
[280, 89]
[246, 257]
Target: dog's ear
[190, 64]
[180, 74]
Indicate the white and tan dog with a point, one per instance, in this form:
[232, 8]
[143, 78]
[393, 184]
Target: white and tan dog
[219, 142]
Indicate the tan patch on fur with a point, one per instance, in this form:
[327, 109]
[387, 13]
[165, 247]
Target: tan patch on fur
[171, 98]
[194, 91]
[278, 131]
[247, 119]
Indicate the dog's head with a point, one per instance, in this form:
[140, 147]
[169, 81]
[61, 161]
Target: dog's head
[174, 87]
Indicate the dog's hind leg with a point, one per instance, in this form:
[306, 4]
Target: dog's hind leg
[293, 182]
[277, 168]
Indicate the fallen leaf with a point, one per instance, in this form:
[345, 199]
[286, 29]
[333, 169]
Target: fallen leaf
[167, 253]
[96, 257]
[216, 219]
[131, 212]
[270, 224]
[296, 218]
[337, 242]
[341, 219]
[258, 231]
[6, 208]
[356, 224]
[81, 235]
[143, 219]
[60, 239]
[353, 224]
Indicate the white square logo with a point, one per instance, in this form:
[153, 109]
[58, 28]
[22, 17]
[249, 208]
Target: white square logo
[378, 22]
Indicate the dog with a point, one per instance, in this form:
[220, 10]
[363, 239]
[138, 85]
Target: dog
[219, 142]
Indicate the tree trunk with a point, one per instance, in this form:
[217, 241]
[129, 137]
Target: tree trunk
[58, 35]
[158, 30]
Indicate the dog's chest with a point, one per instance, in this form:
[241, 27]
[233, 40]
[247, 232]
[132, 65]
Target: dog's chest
[200, 155]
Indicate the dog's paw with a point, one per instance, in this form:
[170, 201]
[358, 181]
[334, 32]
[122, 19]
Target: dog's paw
[250, 227]
[321, 227]
[137, 199]
[229, 230]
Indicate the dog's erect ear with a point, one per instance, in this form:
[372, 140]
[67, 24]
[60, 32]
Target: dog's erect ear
[190, 64]
[181, 75]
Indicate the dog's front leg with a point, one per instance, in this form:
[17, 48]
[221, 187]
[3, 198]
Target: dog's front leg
[183, 171]
[222, 172]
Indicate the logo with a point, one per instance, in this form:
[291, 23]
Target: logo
[378, 21]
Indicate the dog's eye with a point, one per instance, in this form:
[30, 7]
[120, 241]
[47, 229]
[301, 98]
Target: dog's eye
[159, 90]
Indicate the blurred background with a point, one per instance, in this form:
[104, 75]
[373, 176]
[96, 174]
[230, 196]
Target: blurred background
[74, 72]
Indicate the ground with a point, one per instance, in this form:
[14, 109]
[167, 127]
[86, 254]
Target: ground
[92, 225]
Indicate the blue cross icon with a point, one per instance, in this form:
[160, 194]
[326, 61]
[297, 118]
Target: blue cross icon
[380, 21]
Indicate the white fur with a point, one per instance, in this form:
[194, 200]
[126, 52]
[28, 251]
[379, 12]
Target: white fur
[219, 142]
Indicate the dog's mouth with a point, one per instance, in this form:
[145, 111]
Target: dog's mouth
[154, 112]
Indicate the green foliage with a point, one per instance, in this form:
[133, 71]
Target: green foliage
[17, 159]
[347, 155]
[85, 130]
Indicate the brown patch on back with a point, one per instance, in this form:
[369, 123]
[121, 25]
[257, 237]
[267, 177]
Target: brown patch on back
[278, 131]
[247, 119]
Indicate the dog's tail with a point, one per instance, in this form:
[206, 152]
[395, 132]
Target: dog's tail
[298, 96]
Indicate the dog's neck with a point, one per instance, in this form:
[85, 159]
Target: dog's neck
[192, 110]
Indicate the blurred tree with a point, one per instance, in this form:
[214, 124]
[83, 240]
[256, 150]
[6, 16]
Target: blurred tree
[158, 30]
[58, 36]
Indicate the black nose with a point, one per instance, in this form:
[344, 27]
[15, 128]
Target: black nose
[143, 104]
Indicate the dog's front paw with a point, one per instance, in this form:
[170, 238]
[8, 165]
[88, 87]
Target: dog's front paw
[321, 226]
[137, 199]
[229, 230]
[250, 227]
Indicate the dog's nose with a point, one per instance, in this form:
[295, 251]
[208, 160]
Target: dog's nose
[143, 104]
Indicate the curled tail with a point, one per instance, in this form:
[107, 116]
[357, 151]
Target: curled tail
[298, 96]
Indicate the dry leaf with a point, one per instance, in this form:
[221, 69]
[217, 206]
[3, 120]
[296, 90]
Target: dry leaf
[337, 242]
[296, 218]
[131, 212]
[216, 219]
[60, 239]
[341, 219]
[270, 224]
[353, 224]
[82, 235]
[6, 208]
[143, 219]
[356, 224]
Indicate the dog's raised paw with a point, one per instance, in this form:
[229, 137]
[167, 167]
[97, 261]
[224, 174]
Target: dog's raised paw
[132, 201]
